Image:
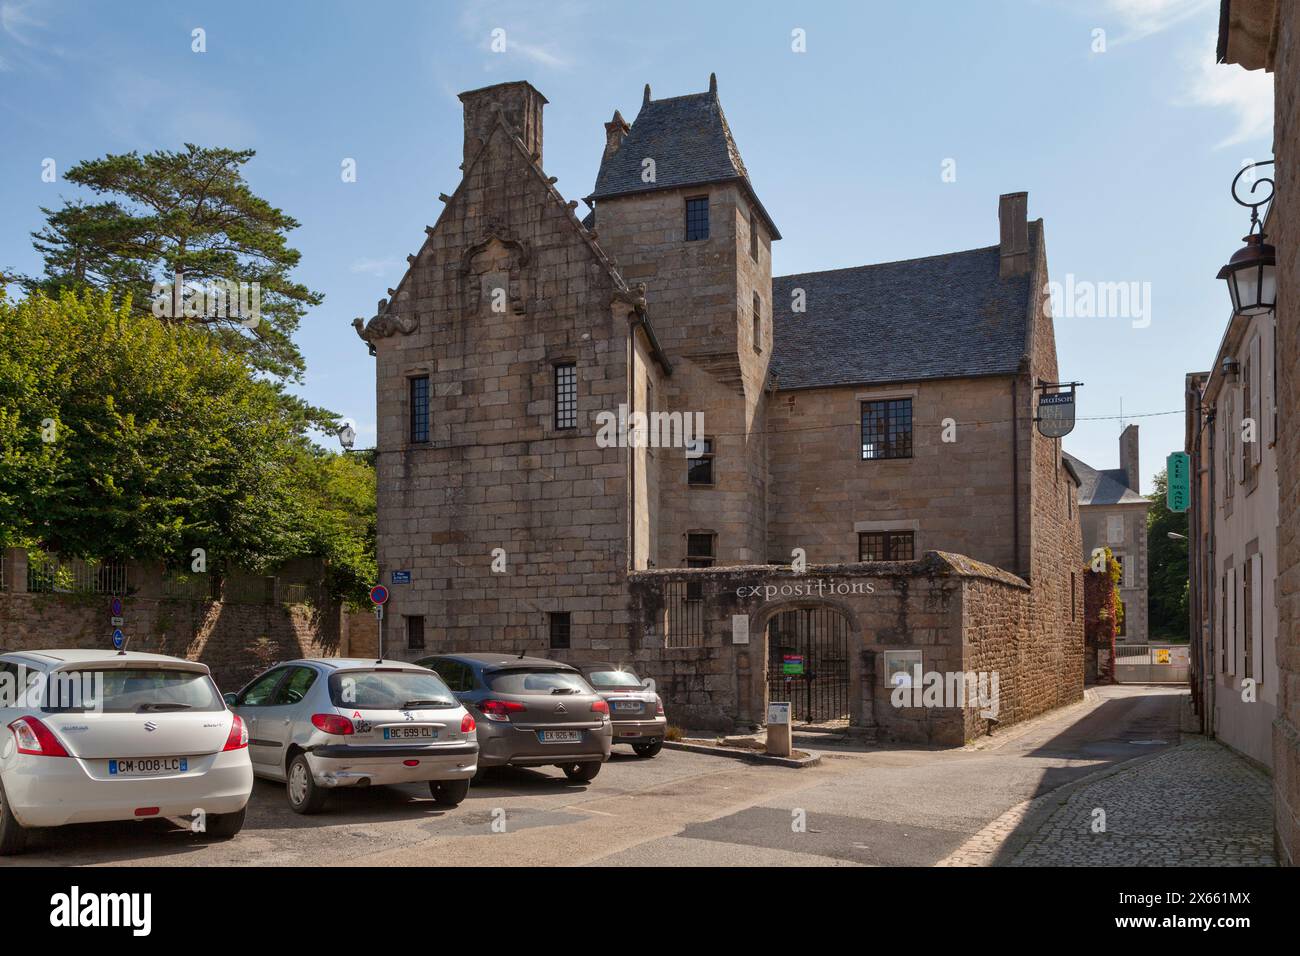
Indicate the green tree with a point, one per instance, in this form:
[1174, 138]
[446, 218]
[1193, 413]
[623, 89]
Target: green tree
[124, 437]
[1167, 578]
[183, 217]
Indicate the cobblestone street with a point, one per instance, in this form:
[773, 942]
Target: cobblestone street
[1197, 804]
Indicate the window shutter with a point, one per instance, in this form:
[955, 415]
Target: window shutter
[1256, 611]
[1230, 639]
[1257, 403]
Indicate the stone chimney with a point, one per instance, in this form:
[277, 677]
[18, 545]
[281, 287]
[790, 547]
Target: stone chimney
[1128, 457]
[1013, 223]
[616, 131]
[518, 103]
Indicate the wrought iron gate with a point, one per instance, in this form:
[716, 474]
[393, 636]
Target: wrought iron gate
[808, 663]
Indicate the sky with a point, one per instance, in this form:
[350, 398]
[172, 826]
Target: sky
[889, 136]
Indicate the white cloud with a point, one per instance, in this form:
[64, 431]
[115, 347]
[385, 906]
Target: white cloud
[1246, 94]
[375, 267]
[539, 36]
[1144, 18]
[17, 23]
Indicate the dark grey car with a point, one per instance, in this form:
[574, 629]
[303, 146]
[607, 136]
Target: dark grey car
[636, 711]
[530, 711]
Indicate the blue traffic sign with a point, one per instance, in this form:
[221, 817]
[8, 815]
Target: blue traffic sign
[115, 607]
[117, 638]
[379, 594]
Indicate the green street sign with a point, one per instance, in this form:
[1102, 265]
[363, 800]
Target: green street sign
[1178, 472]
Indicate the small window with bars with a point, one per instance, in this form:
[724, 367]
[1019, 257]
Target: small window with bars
[420, 409]
[561, 627]
[415, 632]
[697, 218]
[887, 429]
[887, 546]
[566, 395]
[699, 471]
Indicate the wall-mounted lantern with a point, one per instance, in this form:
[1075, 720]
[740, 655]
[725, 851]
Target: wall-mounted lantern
[1251, 273]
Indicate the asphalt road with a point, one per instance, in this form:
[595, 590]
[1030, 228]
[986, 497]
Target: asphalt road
[881, 807]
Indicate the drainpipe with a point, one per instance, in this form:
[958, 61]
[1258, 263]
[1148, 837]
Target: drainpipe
[1211, 703]
[1015, 475]
[631, 452]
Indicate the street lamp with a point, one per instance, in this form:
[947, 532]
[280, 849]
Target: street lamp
[347, 436]
[1251, 273]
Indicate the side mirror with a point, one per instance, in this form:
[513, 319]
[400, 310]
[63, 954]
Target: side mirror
[230, 699]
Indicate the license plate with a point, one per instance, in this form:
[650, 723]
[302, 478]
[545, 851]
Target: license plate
[409, 733]
[148, 766]
[560, 736]
[634, 705]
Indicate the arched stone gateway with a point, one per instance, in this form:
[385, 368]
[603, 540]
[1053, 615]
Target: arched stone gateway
[809, 662]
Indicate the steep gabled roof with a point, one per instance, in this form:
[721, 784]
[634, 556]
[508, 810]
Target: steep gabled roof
[948, 316]
[691, 145]
[1105, 487]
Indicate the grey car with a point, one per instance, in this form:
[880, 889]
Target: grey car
[530, 711]
[636, 711]
[323, 723]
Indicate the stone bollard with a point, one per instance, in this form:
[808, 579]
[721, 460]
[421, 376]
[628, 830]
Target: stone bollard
[780, 740]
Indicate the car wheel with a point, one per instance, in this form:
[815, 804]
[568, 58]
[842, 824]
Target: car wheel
[648, 750]
[305, 795]
[13, 835]
[448, 793]
[585, 771]
[224, 826]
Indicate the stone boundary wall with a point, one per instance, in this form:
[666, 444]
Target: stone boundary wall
[963, 615]
[236, 640]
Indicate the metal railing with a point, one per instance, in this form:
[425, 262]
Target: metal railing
[683, 615]
[51, 574]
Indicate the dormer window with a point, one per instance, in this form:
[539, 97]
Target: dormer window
[697, 218]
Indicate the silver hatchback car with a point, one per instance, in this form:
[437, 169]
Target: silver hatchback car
[323, 723]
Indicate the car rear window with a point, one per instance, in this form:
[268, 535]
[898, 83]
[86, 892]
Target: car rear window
[390, 690]
[613, 680]
[130, 690]
[537, 682]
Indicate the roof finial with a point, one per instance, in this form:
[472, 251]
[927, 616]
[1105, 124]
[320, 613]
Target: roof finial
[713, 83]
[645, 100]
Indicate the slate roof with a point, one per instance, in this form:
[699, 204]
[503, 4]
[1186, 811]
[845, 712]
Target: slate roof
[691, 144]
[1105, 487]
[947, 316]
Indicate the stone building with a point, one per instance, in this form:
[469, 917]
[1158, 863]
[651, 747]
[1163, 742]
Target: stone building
[1265, 34]
[1113, 514]
[622, 437]
[1232, 440]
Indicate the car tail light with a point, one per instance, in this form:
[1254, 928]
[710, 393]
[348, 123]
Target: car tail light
[410, 763]
[467, 724]
[600, 707]
[659, 708]
[500, 709]
[238, 738]
[332, 724]
[35, 738]
[146, 811]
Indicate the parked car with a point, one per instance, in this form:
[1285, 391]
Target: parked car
[636, 712]
[530, 711]
[93, 736]
[323, 723]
